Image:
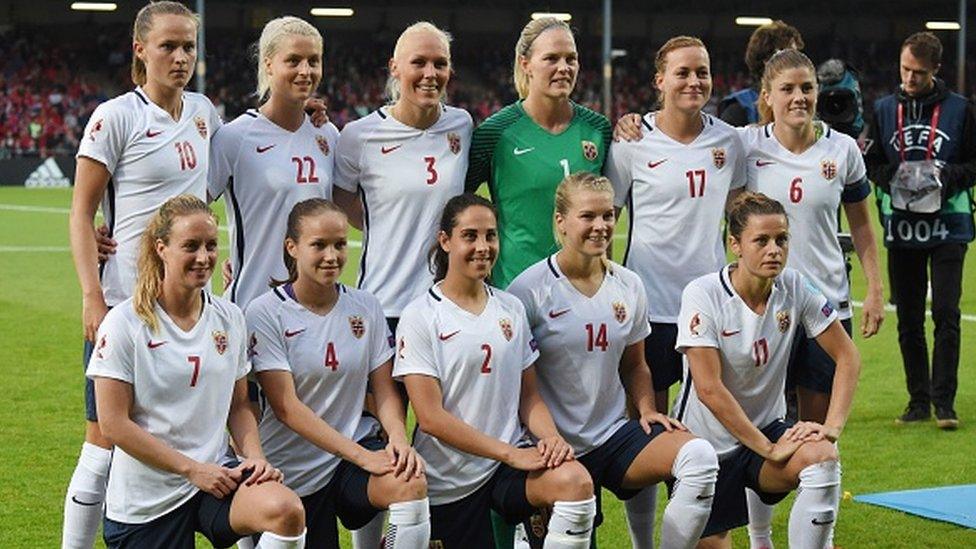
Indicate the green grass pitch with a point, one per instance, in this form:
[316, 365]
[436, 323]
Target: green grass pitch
[42, 410]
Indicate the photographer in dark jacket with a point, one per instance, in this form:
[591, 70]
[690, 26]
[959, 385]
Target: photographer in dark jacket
[921, 155]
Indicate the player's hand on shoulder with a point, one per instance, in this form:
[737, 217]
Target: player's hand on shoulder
[628, 128]
[256, 471]
[213, 479]
[407, 461]
[554, 451]
[317, 109]
[526, 459]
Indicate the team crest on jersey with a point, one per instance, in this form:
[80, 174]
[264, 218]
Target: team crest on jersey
[201, 126]
[506, 326]
[252, 346]
[828, 169]
[357, 325]
[694, 324]
[783, 321]
[619, 311]
[590, 152]
[100, 348]
[454, 141]
[718, 157]
[96, 127]
[323, 144]
[220, 341]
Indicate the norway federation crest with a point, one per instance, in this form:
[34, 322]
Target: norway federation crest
[718, 157]
[357, 326]
[783, 321]
[828, 169]
[323, 144]
[506, 326]
[220, 341]
[201, 126]
[619, 311]
[454, 142]
[590, 152]
[96, 127]
[252, 346]
[694, 324]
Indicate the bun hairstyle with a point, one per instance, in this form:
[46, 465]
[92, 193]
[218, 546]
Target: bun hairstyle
[306, 208]
[748, 204]
[781, 61]
[150, 270]
[392, 84]
[437, 257]
[274, 31]
[572, 184]
[144, 23]
[523, 48]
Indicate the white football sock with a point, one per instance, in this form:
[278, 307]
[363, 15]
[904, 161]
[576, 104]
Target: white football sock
[86, 497]
[270, 540]
[245, 543]
[371, 535]
[760, 522]
[409, 525]
[695, 470]
[814, 511]
[571, 524]
[640, 517]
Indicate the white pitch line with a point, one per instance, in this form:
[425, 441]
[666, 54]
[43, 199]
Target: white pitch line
[38, 209]
[892, 308]
[65, 249]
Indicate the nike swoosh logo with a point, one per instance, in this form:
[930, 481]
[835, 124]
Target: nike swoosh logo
[445, 337]
[85, 503]
[153, 344]
[702, 498]
[293, 333]
[388, 150]
[653, 165]
[265, 149]
[577, 532]
[557, 314]
[821, 523]
[519, 152]
[729, 333]
[150, 133]
[761, 163]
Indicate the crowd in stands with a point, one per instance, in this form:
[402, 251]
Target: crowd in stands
[49, 85]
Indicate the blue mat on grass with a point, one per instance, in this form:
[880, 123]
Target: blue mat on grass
[955, 504]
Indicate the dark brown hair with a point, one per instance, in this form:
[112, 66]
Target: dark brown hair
[305, 208]
[749, 204]
[437, 257]
[765, 41]
[925, 46]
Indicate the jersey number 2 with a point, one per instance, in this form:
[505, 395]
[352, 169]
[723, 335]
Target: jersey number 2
[301, 163]
[486, 365]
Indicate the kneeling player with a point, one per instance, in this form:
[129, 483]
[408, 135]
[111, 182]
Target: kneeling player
[466, 355]
[735, 330]
[589, 316]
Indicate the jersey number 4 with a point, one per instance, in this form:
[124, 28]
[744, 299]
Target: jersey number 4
[596, 338]
[331, 360]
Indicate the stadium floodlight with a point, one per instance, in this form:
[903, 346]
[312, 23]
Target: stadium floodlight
[748, 21]
[562, 16]
[94, 6]
[942, 25]
[332, 12]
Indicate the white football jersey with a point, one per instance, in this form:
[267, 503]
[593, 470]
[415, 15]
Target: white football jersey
[675, 194]
[330, 358]
[478, 361]
[182, 383]
[754, 349]
[265, 170]
[810, 186]
[581, 340]
[404, 176]
[152, 158]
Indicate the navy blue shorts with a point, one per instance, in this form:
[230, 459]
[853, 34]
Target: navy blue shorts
[91, 414]
[736, 472]
[466, 523]
[345, 497]
[202, 513]
[810, 366]
[608, 463]
[665, 362]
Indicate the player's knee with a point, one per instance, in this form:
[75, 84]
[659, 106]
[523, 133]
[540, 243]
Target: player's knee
[812, 453]
[284, 512]
[696, 463]
[571, 482]
[408, 490]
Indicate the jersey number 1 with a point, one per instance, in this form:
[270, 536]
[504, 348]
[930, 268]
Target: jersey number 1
[698, 175]
[188, 157]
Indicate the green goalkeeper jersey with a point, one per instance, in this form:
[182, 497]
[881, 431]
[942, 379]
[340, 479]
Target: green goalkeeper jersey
[523, 164]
